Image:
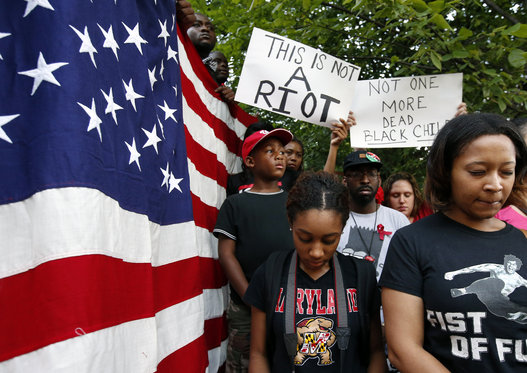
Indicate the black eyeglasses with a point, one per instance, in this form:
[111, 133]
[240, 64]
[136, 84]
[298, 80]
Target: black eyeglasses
[358, 175]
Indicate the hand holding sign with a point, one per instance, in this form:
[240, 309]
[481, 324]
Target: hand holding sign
[293, 79]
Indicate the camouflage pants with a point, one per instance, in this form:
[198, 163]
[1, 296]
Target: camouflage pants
[239, 327]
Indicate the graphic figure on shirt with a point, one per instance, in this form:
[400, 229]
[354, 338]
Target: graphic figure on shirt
[494, 291]
[315, 338]
[355, 244]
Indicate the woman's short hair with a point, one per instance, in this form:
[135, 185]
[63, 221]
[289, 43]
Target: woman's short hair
[388, 184]
[450, 142]
[318, 190]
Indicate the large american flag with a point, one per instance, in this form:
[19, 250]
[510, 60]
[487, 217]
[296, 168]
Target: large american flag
[114, 154]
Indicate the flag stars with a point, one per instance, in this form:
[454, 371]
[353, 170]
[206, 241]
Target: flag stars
[134, 37]
[5, 34]
[164, 32]
[4, 119]
[153, 139]
[86, 46]
[166, 176]
[32, 4]
[169, 113]
[95, 121]
[171, 54]
[152, 77]
[43, 72]
[162, 70]
[111, 106]
[174, 184]
[109, 40]
[134, 154]
[131, 95]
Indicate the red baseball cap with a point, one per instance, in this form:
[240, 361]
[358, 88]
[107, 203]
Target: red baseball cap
[250, 142]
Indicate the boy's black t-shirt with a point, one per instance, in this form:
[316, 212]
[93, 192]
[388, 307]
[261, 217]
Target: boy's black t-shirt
[475, 306]
[258, 223]
[315, 319]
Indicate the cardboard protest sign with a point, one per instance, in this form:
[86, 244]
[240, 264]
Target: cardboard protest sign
[293, 79]
[404, 112]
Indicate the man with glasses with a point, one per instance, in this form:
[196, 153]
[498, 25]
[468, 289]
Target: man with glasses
[370, 226]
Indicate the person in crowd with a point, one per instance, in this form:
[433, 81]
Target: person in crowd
[243, 180]
[449, 285]
[202, 35]
[403, 194]
[218, 66]
[314, 309]
[294, 152]
[249, 227]
[370, 226]
[516, 211]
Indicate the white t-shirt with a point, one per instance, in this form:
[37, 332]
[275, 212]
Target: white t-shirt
[371, 239]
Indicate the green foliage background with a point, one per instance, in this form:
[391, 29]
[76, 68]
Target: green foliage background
[485, 40]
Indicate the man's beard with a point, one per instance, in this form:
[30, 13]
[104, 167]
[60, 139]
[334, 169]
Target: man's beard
[360, 199]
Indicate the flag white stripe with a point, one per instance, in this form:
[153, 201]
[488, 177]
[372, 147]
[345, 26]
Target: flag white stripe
[70, 222]
[207, 189]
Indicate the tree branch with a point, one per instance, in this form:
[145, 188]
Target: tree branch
[503, 13]
[342, 9]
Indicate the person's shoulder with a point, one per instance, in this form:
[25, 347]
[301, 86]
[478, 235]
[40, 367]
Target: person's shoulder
[397, 216]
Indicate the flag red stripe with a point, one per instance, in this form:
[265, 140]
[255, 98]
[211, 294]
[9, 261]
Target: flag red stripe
[206, 162]
[220, 128]
[48, 303]
[204, 215]
[215, 277]
[191, 358]
[215, 331]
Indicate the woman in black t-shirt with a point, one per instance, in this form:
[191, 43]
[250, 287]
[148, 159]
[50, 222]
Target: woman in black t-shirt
[312, 308]
[453, 285]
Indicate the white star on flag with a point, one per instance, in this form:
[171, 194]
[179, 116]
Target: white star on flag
[171, 54]
[4, 34]
[152, 138]
[162, 128]
[131, 95]
[86, 46]
[111, 106]
[109, 40]
[134, 37]
[169, 113]
[4, 119]
[134, 154]
[174, 184]
[164, 33]
[43, 72]
[161, 70]
[95, 121]
[166, 176]
[152, 77]
[175, 90]
[32, 4]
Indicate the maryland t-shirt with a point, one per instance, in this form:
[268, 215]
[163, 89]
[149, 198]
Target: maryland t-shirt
[315, 319]
[474, 288]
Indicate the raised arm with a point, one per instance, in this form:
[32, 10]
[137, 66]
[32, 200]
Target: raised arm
[184, 14]
[231, 265]
[339, 132]
[258, 355]
[404, 327]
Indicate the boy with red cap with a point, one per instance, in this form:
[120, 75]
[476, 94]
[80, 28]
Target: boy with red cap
[250, 226]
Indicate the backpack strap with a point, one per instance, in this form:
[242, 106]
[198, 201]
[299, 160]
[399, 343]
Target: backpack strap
[524, 232]
[273, 273]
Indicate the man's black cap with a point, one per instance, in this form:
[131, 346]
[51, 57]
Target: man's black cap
[361, 157]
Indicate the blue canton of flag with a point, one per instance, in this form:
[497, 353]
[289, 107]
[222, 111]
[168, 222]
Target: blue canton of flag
[90, 96]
